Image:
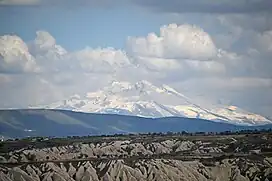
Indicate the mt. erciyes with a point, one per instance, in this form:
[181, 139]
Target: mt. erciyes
[147, 100]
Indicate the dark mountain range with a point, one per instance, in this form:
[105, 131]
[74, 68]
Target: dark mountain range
[42, 122]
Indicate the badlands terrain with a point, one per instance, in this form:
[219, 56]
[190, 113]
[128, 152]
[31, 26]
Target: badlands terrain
[242, 156]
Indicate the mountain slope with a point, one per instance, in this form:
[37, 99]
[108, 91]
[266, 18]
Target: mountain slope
[147, 100]
[22, 123]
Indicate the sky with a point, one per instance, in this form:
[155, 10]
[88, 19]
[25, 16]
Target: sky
[215, 52]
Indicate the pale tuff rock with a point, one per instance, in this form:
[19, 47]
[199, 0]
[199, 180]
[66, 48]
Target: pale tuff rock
[12, 159]
[113, 149]
[4, 177]
[141, 170]
[18, 174]
[140, 159]
[184, 145]
[32, 172]
[3, 159]
[71, 170]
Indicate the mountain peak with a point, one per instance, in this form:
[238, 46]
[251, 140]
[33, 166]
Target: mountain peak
[143, 98]
[130, 84]
[75, 96]
[141, 87]
[121, 84]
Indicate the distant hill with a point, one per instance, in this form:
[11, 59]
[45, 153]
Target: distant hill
[42, 122]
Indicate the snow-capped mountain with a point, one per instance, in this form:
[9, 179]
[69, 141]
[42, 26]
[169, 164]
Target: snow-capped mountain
[147, 100]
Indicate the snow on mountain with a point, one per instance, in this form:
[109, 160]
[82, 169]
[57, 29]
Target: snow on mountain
[147, 100]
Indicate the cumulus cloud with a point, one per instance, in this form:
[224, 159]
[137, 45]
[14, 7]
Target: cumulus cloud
[175, 42]
[183, 50]
[100, 59]
[172, 48]
[45, 43]
[183, 55]
[15, 57]
[45, 55]
[53, 57]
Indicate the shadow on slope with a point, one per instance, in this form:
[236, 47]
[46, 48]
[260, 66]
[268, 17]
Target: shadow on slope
[22, 123]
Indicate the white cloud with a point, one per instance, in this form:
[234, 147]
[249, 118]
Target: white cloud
[100, 60]
[174, 42]
[58, 73]
[14, 56]
[45, 55]
[45, 43]
[182, 55]
[53, 57]
[181, 50]
[48, 54]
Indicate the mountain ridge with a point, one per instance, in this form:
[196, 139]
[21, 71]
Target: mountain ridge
[147, 100]
[19, 123]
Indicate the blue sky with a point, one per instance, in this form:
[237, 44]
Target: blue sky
[94, 27]
[86, 27]
[231, 61]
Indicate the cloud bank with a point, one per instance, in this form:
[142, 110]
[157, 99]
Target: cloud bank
[184, 56]
[175, 42]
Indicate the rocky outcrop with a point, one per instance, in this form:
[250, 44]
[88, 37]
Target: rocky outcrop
[160, 158]
[139, 170]
[110, 150]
